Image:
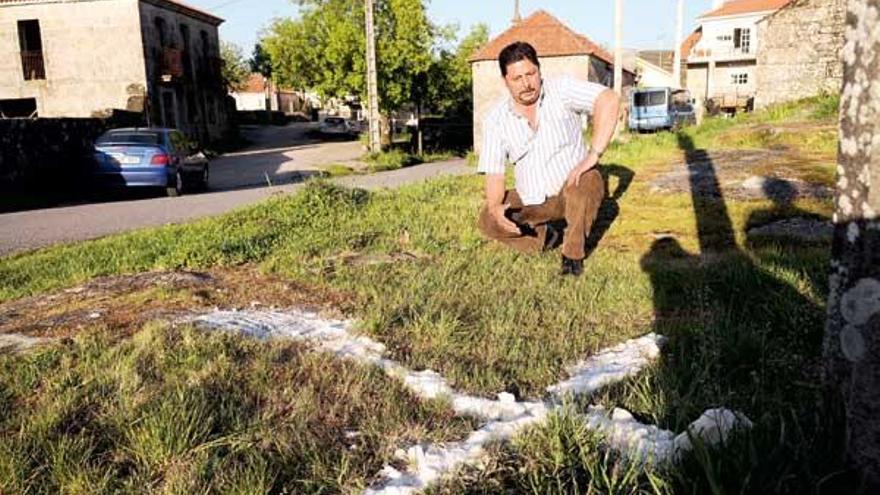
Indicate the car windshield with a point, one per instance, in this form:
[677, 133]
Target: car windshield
[650, 98]
[130, 137]
[333, 121]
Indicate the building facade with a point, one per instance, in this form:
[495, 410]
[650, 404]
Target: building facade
[561, 51]
[260, 94]
[800, 51]
[86, 58]
[721, 64]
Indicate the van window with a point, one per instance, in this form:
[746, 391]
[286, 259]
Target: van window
[650, 98]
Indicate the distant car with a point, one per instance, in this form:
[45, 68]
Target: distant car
[660, 108]
[150, 157]
[336, 126]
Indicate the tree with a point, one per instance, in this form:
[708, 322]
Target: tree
[235, 71]
[852, 339]
[449, 82]
[325, 48]
[260, 61]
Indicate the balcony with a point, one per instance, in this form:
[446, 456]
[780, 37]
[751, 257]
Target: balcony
[33, 66]
[171, 64]
[698, 55]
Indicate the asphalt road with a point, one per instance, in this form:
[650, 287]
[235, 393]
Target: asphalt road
[25, 231]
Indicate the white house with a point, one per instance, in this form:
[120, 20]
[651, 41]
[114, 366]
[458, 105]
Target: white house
[651, 76]
[721, 64]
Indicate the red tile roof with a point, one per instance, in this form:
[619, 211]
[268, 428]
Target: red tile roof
[734, 7]
[549, 36]
[688, 44]
[256, 83]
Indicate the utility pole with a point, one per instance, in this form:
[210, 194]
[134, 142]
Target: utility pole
[676, 64]
[618, 49]
[372, 80]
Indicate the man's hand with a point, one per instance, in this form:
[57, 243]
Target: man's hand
[574, 177]
[497, 212]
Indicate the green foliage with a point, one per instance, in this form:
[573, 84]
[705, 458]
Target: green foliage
[235, 70]
[325, 48]
[448, 86]
[260, 61]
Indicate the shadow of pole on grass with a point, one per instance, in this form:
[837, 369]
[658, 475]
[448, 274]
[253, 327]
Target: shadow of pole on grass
[739, 337]
[610, 209]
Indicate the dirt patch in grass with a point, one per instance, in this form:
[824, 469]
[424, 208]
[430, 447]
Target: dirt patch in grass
[126, 302]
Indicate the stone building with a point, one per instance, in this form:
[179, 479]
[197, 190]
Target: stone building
[722, 57]
[85, 58]
[800, 51]
[561, 51]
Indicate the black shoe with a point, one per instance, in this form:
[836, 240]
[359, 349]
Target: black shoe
[572, 267]
[552, 237]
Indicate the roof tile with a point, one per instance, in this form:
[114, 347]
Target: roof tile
[549, 36]
[734, 7]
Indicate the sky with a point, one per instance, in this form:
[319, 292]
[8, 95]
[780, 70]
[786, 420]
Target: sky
[647, 23]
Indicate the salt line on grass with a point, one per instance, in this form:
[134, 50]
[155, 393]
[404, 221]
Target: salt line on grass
[505, 416]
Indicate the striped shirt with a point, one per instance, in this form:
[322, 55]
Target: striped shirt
[542, 159]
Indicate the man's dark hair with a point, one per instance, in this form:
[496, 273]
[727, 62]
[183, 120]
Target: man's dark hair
[514, 52]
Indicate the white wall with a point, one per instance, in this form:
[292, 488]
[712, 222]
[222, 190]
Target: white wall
[653, 76]
[249, 101]
[724, 26]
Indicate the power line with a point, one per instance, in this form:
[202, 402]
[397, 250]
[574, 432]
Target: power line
[224, 4]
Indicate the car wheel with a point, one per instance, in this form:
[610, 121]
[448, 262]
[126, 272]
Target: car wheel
[175, 189]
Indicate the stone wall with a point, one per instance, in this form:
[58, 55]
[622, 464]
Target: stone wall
[51, 154]
[800, 51]
[91, 51]
[193, 102]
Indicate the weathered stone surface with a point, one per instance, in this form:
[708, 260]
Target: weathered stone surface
[799, 54]
[801, 229]
[852, 339]
[740, 174]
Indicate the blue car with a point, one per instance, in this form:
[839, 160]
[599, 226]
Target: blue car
[653, 109]
[150, 157]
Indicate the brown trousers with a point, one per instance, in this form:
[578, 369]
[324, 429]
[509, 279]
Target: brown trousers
[578, 206]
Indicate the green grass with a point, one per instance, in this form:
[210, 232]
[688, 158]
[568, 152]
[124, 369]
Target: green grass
[337, 169]
[392, 159]
[744, 321]
[179, 411]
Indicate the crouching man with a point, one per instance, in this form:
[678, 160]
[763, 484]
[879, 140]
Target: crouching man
[537, 128]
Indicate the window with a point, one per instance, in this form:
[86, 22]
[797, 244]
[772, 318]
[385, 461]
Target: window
[161, 30]
[129, 137]
[18, 108]
[650, 98]
[742, 39]
[725, 37]
[739, 79]
[31, 44]
[206, 45]
[184, 37]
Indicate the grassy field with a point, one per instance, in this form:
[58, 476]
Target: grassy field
[744, 321]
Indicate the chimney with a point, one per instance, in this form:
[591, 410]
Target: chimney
[516, 17]
[717, 4]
